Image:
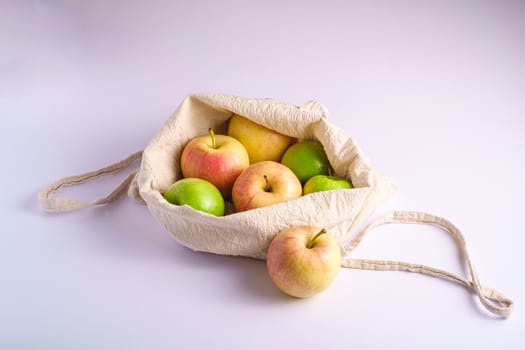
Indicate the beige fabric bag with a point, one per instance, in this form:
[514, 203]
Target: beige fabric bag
[249, 233]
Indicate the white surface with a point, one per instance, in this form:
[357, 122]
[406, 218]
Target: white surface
[433, 91]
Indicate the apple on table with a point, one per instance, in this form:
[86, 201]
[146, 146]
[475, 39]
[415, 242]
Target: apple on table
[218, 159]
[303, 260]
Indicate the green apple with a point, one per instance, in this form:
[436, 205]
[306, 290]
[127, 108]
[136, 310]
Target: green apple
[198, 194]
[303, 260]
[306, 159]
[320, 183]
[218, 159]
[260, 142]
[265, 183]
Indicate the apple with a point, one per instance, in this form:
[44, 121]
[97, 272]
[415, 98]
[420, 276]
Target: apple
[265, 183]
[198, 194]
[218, 159]
[320, 183]
[303, 260]
[307, 158]
[260, 142]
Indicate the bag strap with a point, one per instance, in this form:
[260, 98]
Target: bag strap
[61, 204]
[491, 299]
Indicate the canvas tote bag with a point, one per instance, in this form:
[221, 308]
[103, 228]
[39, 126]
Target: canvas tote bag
[249, 233]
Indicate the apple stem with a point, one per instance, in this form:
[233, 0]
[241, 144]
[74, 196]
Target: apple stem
[267, 187]
[212, 135]
[312, 241]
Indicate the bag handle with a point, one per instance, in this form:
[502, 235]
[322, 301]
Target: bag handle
[491, 299]
[61, 204]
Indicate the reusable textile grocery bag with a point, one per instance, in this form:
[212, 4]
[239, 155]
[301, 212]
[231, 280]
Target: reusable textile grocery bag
[249, 233]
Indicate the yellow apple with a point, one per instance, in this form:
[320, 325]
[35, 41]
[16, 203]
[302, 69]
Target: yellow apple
[260, 142]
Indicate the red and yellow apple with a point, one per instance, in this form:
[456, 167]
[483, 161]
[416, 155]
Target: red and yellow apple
[265, 183]
[303, 260]
[261, 142]
[218, 159]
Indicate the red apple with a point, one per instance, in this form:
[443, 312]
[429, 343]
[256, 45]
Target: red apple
[265, 183]
[218, 159]
[303, 260]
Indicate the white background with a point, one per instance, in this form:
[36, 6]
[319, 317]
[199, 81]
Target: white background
[433, 91]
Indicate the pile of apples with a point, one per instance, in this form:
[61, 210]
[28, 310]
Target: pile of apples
[255, 166]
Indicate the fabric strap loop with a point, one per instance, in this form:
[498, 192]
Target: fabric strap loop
[491, 299]
[61, 204]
